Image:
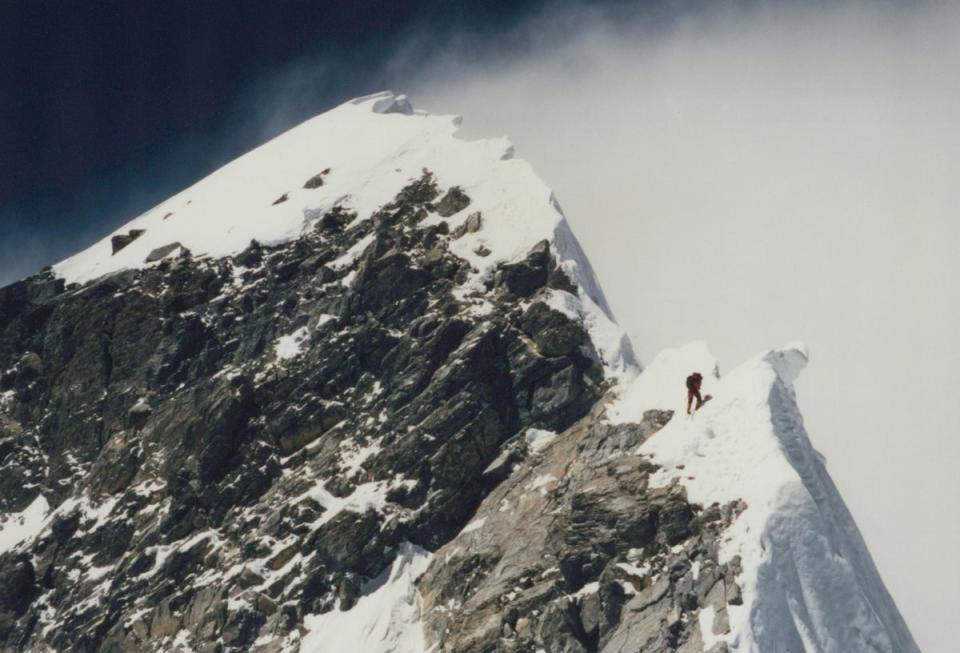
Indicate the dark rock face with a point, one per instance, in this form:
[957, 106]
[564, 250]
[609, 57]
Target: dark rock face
[18, 580]
[162, 252]
[22, 466]
[204, 429]
[525, 277]
[454, 201]
[555, 333]
[316, 181]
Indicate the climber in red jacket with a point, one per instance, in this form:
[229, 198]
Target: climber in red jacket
[693, 390]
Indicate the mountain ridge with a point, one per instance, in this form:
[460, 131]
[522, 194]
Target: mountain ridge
[362, 387]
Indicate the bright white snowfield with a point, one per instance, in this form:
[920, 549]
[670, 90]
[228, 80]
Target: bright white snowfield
[21, 526]
[808, 582]
[385, 619]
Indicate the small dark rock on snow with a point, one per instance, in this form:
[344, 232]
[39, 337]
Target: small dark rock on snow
[454, 201]
[120, 241]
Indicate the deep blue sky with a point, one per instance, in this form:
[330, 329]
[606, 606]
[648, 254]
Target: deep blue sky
[107, 108]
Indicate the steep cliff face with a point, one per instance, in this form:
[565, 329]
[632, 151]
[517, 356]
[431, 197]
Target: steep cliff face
[360, 391]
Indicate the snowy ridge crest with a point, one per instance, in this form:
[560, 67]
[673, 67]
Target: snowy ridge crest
[356, 157]
[808, 581]
[818, 571]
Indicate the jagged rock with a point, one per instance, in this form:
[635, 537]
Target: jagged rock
[734, 594]
[123, 461]
[654, 420]
[555, 333]
[120, 241]
[590, 617]
[472, 224]
[676, 520]
[433, 256]
[138, 414]
[721, 622]
[558, 280]
[251, 256]
[316, 181]
[348, 592]
[350, 541]
[282, 557]
[335, 219]
[529, 275]
[298, 426]
[162, 252]
[21, 469]
[613, 439]
[454, 201]
[384, 281]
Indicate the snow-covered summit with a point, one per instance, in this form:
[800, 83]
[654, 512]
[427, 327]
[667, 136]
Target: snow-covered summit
[808, 581]
[357, 156]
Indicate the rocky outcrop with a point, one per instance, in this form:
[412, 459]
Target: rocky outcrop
[454, 201]
[575, 551]
[161, 253]
[120, 241]
[472, 224]
[316, 181]
[229, 445]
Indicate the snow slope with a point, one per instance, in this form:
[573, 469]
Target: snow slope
[808, 581]
[386, 619]
[373, 147]
[22, 526]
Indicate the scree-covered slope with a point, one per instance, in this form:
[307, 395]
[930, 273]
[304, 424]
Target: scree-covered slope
[359, 390]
